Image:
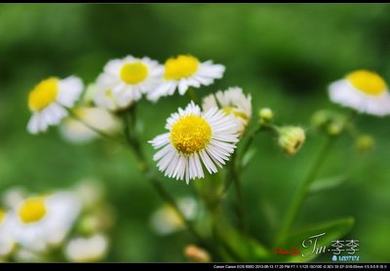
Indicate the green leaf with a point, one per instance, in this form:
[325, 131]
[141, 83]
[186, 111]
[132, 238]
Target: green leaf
[321, 235]
[244, 246]
[248, 157]
[326, 184]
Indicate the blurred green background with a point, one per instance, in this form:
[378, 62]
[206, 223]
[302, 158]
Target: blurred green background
[284, 55]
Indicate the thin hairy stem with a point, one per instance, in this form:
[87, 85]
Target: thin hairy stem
[192, 95]
[303, 189]
[235, 176]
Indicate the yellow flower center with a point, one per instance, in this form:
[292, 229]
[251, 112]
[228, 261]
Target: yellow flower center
[237, 113]
[190, 134]
[2, 215]
[134, 73]
[32, 210]
[180, 67]
[367, 82]
[43, 94]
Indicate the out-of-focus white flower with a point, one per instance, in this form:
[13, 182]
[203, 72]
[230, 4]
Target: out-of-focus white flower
[49, 99]
[40, 222]
[166, 220]
[364, 91]
[183, 72]
[7, 243]
[195, 138]
[125, 80]
[90, 192]
[89, 249]
[104, 97]
[232, 102]
[76, 131]
[29, 256]
[97, 215]
[13, 196]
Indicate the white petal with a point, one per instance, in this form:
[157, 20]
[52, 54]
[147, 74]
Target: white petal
[33, 123]
[183, 86]
[70, 90]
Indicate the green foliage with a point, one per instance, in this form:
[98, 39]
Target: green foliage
[284, 55]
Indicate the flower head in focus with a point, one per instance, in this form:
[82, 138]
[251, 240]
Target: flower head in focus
[231, 101]
[49, 99]
[125, 80]
[195, 139]
[365, 91]
[185, 71]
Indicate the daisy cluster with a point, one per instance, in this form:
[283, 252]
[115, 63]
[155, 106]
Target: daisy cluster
[60, 225]
[199, 138]
[122, 83]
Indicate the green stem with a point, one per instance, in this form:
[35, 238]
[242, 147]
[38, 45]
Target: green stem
[249, 141]
[237, 184]
[171, 201]
[244, 149]
[192, 94]
[303, 189]
[216, 220]
[131, 139]
[252, 136]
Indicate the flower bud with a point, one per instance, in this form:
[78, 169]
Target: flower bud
[265, 115]
[88, 225]
[291, 138]
[335, 128]
[320, 118]
[196, 254]
[364, 143]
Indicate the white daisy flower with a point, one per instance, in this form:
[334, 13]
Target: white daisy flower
[231, 101]
[125, 80]
[75, 131]
[13, 196]
[186, 71]
[40, 222]
[104, 97]
[7, 243]
[362, 90]
[90, 191]
[88, 249]
[195, 137]
[165, 220]
[49, 99]
[28, 256]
